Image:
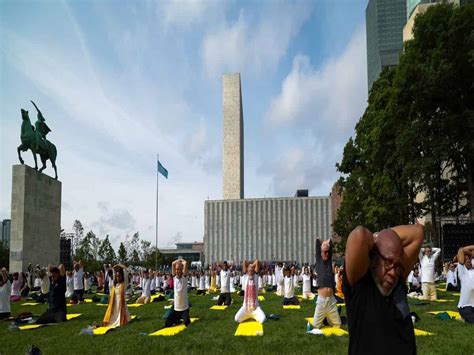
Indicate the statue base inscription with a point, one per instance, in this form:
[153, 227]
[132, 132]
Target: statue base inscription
[35, 219]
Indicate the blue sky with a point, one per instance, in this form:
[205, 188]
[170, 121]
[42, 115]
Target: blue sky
[119, 82]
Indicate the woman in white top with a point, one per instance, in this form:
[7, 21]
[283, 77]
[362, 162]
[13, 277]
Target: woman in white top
[251, 308]
[117, 313]
[5, 290]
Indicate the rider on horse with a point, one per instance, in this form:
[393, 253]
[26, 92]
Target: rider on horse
[41, 130]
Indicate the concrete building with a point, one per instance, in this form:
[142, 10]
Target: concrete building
[384, 20]
[416, 7]
[188, 251]
[269, 229]
[5, 232]
[233, 137]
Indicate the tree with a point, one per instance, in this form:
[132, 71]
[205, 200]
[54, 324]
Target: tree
[416, 134]
[78, 235]
[145, 249]
[133, 248]
[106, 252]
[122, 254]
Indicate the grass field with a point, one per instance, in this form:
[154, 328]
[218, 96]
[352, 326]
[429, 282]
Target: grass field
[214, 332]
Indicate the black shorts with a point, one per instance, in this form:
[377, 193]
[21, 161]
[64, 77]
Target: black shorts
[224, 298]
[288, 301]
[467, 313]
[175, 316]
[78, 295]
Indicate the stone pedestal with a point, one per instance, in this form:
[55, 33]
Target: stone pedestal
[35, 219]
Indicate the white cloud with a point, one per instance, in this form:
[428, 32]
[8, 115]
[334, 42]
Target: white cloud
[321, 106]
[244, 46]
[188, 13]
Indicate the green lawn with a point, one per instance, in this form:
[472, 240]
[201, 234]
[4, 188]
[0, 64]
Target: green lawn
[214, 332]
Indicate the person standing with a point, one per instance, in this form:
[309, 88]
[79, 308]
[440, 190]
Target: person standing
[428, 257]
[466, 276]
[181, 302]
[326, 304]
[374, 285]
[57, 309]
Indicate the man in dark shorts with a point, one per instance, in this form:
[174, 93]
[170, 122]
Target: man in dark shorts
[56, 311]
[375, 272]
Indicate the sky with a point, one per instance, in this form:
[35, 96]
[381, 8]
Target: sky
[120, 82]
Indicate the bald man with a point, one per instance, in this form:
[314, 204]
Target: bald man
[374, 285]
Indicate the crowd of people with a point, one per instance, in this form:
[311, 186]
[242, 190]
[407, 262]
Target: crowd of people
[380, 271]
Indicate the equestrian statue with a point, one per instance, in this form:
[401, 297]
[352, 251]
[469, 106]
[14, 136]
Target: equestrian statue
[34, 139]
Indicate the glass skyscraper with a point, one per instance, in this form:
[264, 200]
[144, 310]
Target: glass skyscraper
[384, 21]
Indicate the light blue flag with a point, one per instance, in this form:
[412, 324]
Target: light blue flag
[162, 170]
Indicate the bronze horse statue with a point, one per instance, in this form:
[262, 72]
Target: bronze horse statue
[33, 140]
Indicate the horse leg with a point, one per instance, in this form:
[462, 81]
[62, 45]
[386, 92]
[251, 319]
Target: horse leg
[43, 160]
[33, 151]
[19, 149]
[55, 170]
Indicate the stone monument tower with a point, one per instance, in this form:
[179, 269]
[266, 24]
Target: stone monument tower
[35, 219]
[233, 138]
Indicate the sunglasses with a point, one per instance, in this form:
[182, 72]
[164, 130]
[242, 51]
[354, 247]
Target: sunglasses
[389, 264]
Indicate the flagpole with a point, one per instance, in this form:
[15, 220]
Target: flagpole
[156, 215]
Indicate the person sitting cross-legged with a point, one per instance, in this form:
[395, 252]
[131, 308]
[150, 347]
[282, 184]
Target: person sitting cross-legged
[251, 308]
[57, 310]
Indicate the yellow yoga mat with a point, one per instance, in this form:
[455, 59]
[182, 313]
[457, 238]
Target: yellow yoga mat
[419, 332]
[102, 304]
[153, 297]
[456, 294]
[73, 315]
[328, 331]
[168, 306]
[249, 329]
[104, 330]
[300, 297]
[456, 315]
[134, 305]
[170, 331]
[441, 301]
[30, 304]
[261, 298]
[292, 306]
[36, 326]
[88, 300]
[218, 308]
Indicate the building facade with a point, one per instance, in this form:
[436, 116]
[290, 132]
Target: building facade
[384, 20]
[188, 251]
[269, 229]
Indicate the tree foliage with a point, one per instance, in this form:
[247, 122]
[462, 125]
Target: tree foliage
[417, 132]
[122, 254]
[106, 252]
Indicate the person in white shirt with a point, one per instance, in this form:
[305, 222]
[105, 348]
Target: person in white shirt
[224, 297]
[428, 257]
[146, 288]
[181, 304]
[250, 308]
[279, 278]
[414, 281]
[69, 284]
[452, 278]
[5, 290]
[153, 282]
[201, 290]
[273, 281]
[87, 283]
[289, 287]
[232, 282]
[466, 276]
[307, 284]
[78, 283]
